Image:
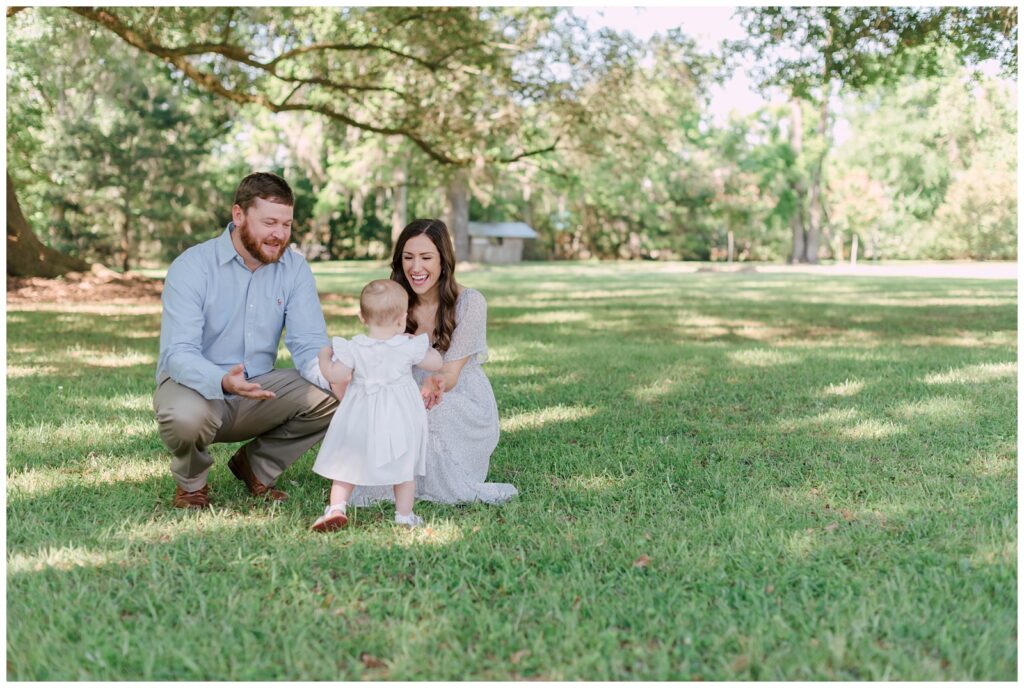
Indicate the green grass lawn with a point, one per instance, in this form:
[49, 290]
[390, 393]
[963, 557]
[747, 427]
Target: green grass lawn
[723, 476]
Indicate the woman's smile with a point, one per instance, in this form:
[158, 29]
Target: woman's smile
[421, 263]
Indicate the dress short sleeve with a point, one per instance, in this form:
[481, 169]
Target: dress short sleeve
[342, 351]
[470, 334]
[417, 348]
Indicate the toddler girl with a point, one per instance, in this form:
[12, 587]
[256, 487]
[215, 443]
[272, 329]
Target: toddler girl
[378, 435]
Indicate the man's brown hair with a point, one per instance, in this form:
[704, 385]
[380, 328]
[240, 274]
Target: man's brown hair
[263, 185]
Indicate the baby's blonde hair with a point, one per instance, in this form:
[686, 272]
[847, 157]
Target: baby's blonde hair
[383, 301]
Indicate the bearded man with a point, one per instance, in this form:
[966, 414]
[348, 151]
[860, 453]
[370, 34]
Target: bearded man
[225, 304]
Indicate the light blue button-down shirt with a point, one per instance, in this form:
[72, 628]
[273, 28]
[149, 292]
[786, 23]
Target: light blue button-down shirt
[217, 314]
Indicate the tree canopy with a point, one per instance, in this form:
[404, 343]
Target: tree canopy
[127, 135]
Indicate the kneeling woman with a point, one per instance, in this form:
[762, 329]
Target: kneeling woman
[463, 428]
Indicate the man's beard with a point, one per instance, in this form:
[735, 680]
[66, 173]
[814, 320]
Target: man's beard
[253, 247]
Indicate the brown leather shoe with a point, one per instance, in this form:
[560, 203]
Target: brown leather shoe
[239, 465]
[191, 500]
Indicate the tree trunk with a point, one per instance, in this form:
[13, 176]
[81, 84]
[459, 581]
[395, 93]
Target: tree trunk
[399, 203]
[457, 214]
[126, 237]
[26, 255]
[815, 210]
[796, 141]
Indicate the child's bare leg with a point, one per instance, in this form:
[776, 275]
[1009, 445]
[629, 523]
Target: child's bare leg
[340, 492]
[405, 493]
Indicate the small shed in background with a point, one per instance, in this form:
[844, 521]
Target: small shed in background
[498, 242]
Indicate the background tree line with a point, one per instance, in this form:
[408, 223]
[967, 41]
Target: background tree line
[129, 127]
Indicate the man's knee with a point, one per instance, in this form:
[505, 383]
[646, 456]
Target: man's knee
[187, 423]
[320, 405]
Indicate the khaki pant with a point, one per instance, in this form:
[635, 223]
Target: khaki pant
[283, 427]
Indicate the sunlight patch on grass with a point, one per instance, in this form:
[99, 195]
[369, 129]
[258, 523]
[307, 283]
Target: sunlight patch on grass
[96, 472]
[500, 355]
[1000, 461]
[973, 374]
[532, 420]
[659, 389]
[130, 403]
[619, 326]
[62, 558]
[964, 338]
[586, 483]
[1001, 555]
[763, 358]
[433, 533]
[111, 359]
[836, 418]
[549, 317]
[871, 429]
[936, 408]
[846, 388]
[332, 311]
[43, 438]
[92, 308]
[802, 543]
[182, 522]
[16, 371]
[706, 327]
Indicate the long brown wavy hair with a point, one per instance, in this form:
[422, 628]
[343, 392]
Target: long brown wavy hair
[448, 291]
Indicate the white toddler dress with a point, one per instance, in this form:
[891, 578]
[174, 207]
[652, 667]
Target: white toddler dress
[378, 435]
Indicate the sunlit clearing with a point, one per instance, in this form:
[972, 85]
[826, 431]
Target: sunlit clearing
[981, 372]
[550, 317]
[62, 558]
[531, 420]
[763, 358]
[94, 472]
[846, 388]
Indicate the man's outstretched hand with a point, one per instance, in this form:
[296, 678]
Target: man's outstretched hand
[432, 391]
[235, 383]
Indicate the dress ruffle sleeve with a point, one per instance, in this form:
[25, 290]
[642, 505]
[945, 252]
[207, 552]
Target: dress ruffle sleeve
[343, 352]
[470, 334]
[417, 348]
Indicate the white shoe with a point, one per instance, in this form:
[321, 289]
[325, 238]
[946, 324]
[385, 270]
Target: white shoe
[410, 521]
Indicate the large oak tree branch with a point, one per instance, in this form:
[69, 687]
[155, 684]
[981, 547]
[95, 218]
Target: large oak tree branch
[178, 57]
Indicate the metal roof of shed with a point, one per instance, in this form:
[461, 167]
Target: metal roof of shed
[505, 230]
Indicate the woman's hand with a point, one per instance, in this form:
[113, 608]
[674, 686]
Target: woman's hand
[432, 391]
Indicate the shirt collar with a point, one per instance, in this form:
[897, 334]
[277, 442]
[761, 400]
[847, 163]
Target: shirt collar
[225, 249]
